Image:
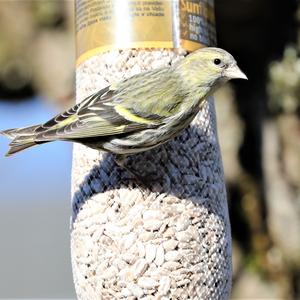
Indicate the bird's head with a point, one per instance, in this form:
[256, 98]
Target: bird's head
[208, 67]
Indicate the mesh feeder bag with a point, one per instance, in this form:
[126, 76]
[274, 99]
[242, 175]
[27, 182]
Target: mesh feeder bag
[172, 240]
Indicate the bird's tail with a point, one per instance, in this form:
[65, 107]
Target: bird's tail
[22, 138]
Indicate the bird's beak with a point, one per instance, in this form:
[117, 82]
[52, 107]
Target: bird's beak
[234, 72]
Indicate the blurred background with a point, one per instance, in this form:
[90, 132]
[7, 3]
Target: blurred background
[259, 131]
[37, 59]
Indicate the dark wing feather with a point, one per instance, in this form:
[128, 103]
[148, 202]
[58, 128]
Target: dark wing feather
[94, 116]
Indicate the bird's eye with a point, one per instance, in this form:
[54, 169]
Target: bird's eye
[217, 61]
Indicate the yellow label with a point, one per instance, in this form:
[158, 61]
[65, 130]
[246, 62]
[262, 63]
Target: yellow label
[197, 24]
[102, 25]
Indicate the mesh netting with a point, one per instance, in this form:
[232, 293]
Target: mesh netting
[170, 240]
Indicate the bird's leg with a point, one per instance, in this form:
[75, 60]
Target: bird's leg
[120, 161]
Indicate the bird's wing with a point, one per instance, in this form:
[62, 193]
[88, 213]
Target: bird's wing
[100, 114]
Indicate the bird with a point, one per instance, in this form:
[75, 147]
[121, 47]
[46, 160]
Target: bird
[138, 113]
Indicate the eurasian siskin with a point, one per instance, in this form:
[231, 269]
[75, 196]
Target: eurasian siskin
[138, 113]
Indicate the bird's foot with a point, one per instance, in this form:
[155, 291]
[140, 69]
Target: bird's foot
[139, 180]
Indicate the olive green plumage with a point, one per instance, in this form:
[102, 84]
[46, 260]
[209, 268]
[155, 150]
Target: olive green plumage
[138, 113]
